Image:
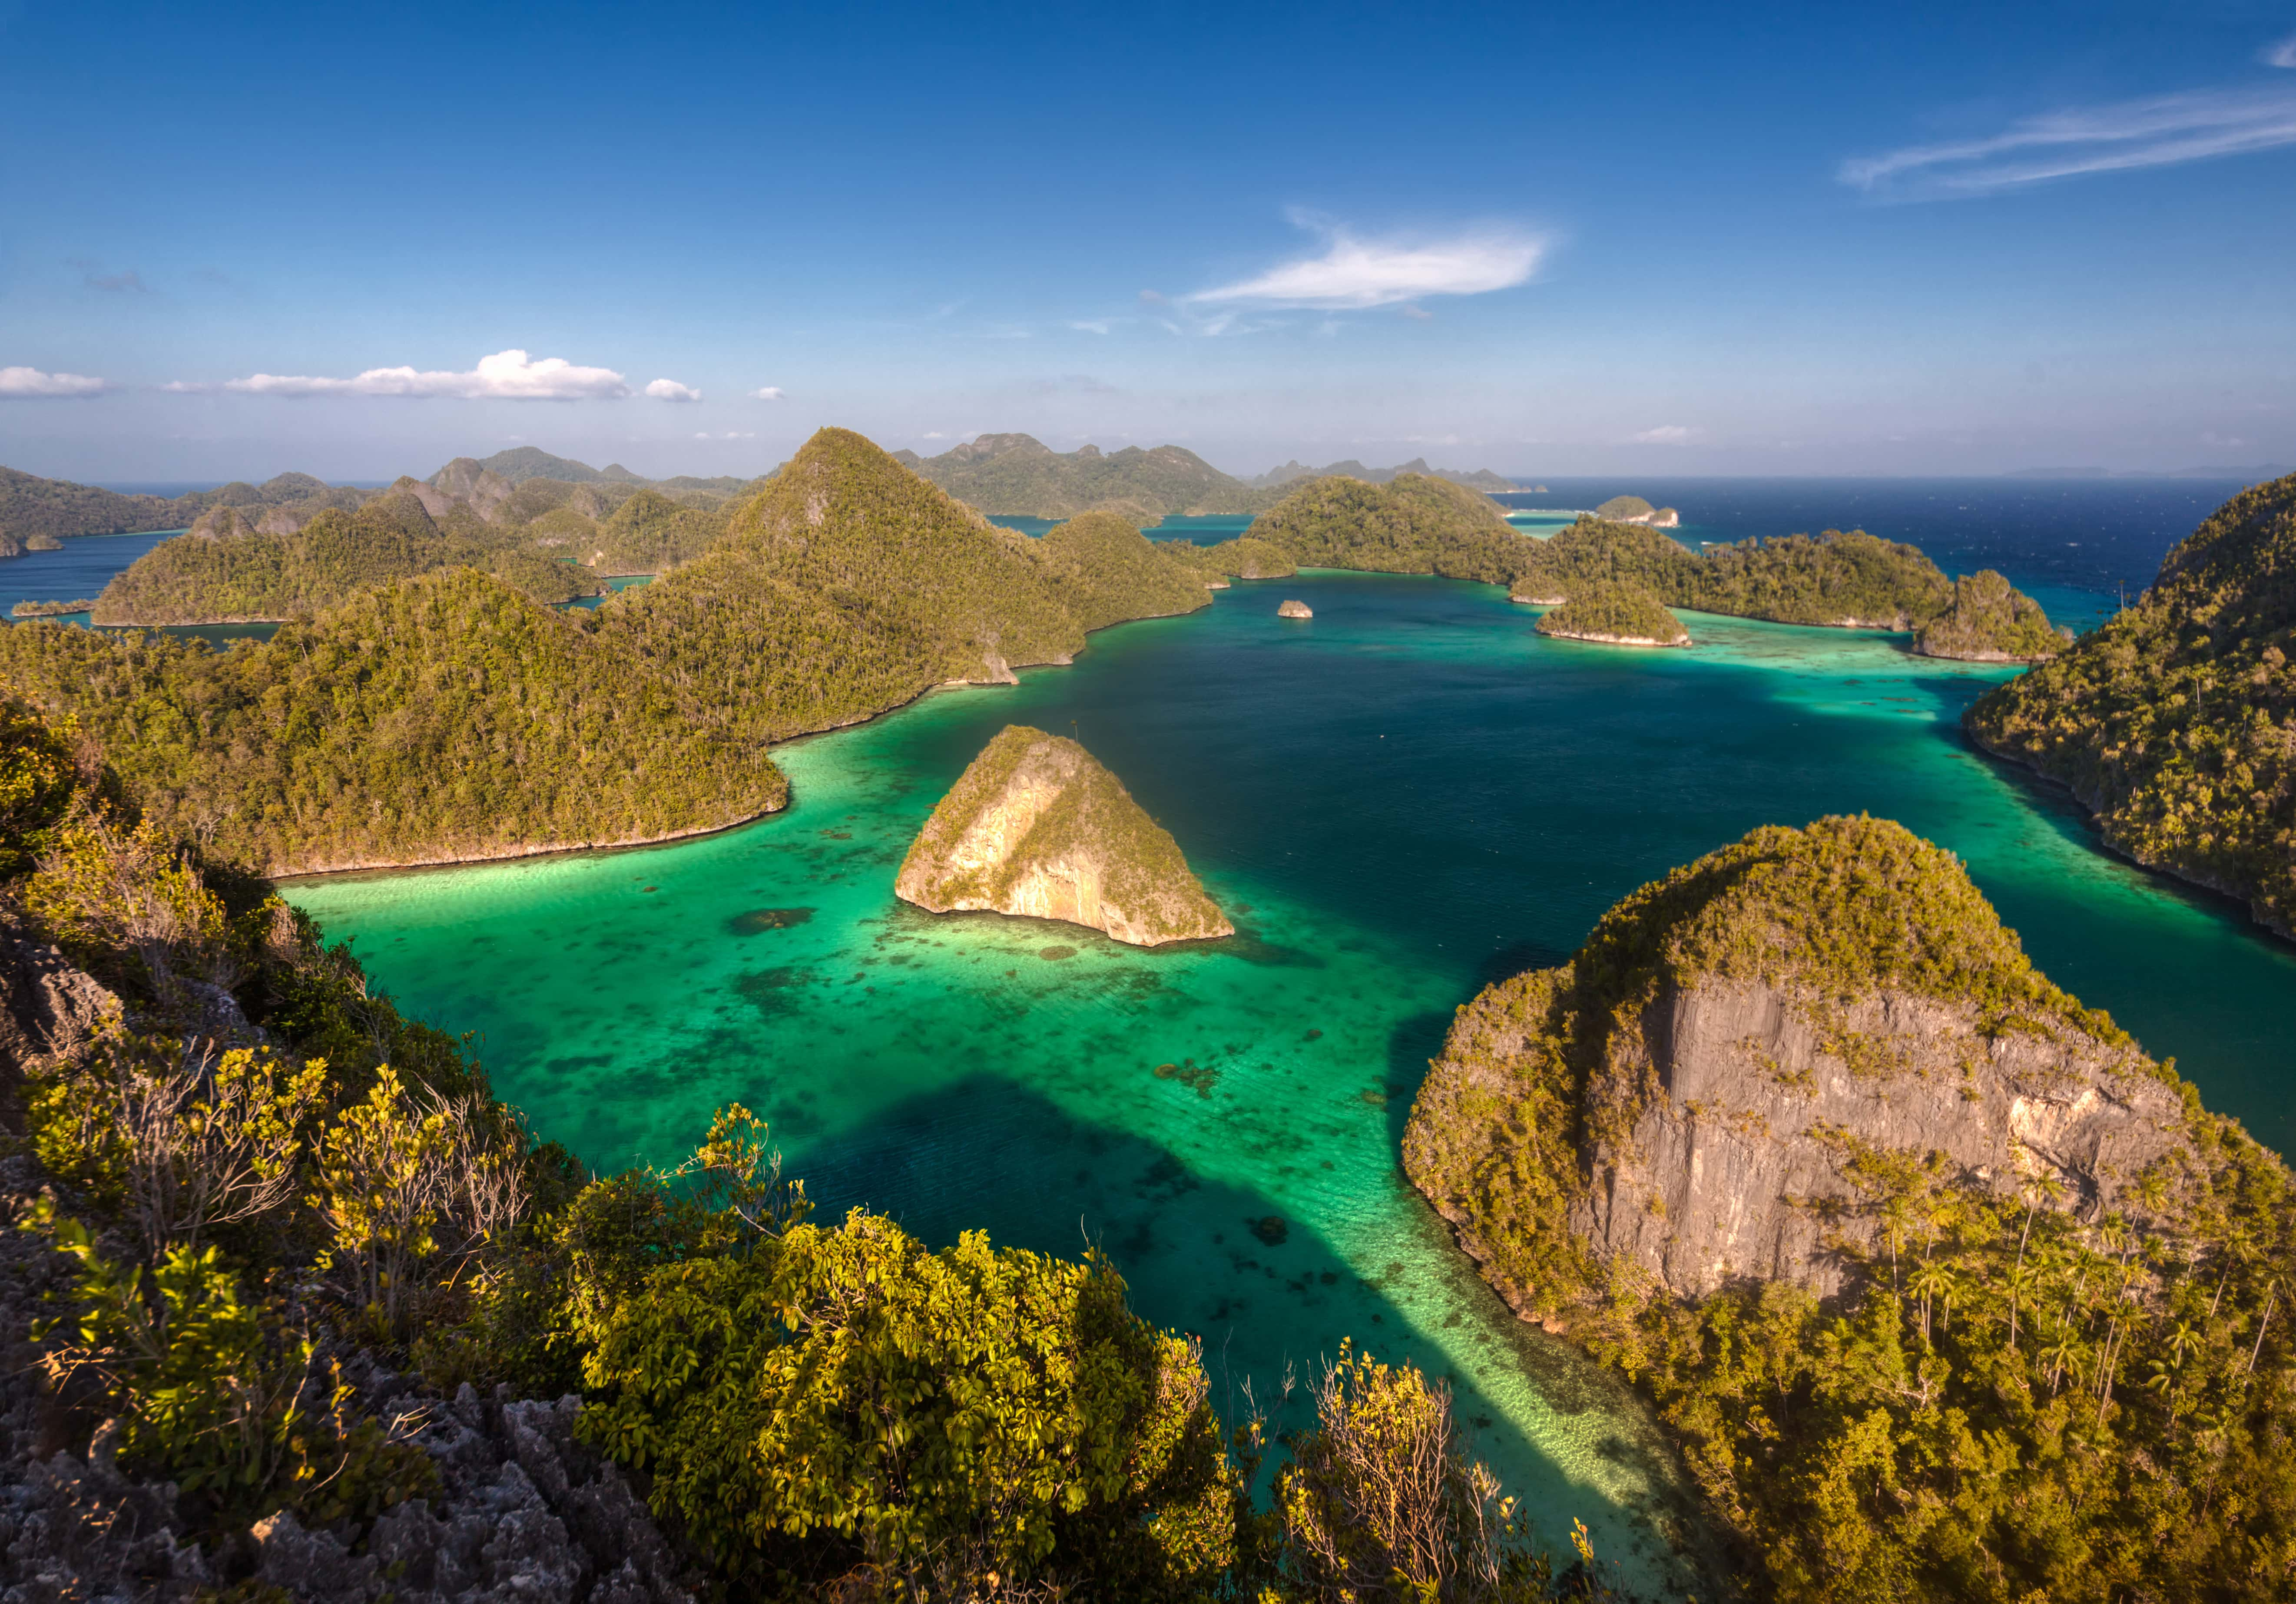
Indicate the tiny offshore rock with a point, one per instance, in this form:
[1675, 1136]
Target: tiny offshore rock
[1036, 826]
[1295, 610]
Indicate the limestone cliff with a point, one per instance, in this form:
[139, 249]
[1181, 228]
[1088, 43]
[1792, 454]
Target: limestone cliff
[1708, 1091]
[1035, 826]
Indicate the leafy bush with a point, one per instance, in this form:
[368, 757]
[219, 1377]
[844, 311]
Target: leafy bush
[843, 1401]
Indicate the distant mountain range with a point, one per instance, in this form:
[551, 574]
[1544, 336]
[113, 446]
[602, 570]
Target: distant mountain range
[1481, 479]
[1018, 475]
[1005, 474]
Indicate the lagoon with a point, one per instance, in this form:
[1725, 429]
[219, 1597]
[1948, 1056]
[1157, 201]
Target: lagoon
[1407, 796]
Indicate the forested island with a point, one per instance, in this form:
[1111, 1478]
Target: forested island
[1945, 1289]
[1292, 472]
[1613, 614]
[2174, 722]
[1411, 525]
[1852, 581]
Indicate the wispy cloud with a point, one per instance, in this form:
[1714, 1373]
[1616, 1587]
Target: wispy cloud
[1090, 325]
[1152, 297]
[504, 376]
[2283, 55]
[771, 392]
[1352, 274]
[670, 389]
[1075, 383]
[731, 434]
[1665, 434]
[127, 280]
[30, 384]
[2162, 131]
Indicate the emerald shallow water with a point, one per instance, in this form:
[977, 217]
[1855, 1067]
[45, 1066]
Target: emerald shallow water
[1396, 801]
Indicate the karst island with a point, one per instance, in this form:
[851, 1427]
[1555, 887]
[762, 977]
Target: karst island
[1036, 826]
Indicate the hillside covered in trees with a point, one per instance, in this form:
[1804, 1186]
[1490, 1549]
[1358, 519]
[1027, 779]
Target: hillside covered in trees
[1020, 476]
[849, 585]
[2174, 722]
[1944, 1288]
[1411, 525]
[1852, 580]
[300, 1311]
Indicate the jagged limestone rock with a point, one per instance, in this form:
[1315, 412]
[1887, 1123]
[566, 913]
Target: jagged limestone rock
[1036, 826]
[1698, 1091]
[1295, 610]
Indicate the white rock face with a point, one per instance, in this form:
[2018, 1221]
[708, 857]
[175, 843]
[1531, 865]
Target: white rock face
[1295, 610]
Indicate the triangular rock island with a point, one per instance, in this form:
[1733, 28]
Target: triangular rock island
[1034, 825]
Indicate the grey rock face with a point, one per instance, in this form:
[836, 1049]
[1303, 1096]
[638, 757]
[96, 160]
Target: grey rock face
[1748, 1103]
[525, 1515]
[47, 1007]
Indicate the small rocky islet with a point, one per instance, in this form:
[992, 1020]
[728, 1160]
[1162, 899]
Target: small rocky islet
[1036, 826]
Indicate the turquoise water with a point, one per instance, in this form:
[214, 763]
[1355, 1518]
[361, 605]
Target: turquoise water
[1398, 801]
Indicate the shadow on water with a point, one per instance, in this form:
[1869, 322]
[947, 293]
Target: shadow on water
[1268, 1295]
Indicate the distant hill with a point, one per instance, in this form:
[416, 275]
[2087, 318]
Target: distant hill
[523, 462]
[31, 505]
[1481, 479]
[1017, 475]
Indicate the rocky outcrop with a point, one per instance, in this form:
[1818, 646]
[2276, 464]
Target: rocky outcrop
[1035, 826]
[1295, 610]
[473, 484]
[1755, 1099]
[1705, 1091]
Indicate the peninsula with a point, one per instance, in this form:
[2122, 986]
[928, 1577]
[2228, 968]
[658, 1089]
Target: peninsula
[1036, 826]
[2171, 721]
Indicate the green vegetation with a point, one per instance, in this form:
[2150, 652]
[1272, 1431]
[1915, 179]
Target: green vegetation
[2012, 1399]
[1620, 509]
[1034, 825]
[1411, 525]
[443, 718]
[1018, 475]
[647, 534]
[1292, 472]
[848, 586]
[1109, 571]
[1245, 556]
[1990, 620]
[812, 1410]
[1855, 579]
[2172, 722]
[241, 576]
[1600, 610]
[50, 609]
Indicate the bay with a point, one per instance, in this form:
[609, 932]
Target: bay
[1398, 801]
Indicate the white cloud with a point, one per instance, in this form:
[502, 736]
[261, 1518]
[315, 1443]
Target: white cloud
[1418, 314]
[670, 389]
[2283, 55]
[1090, 325]
[504, 376]
[771, 392]
[2162, 131]
[1665, 434]
[1353, 274]
[1152, 297]
[731, 434]
[28, 383]
[935, 434]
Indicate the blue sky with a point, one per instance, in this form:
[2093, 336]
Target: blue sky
[1537, 238]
